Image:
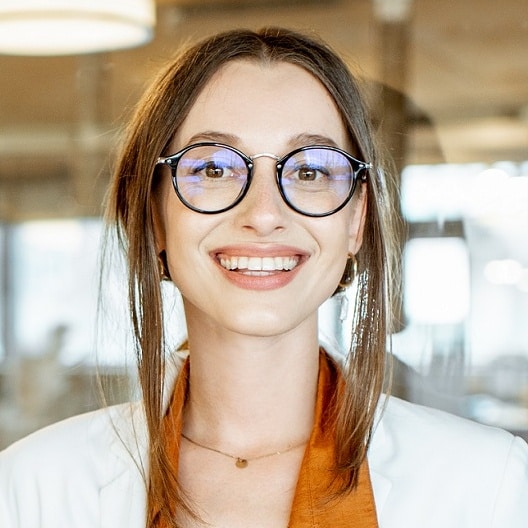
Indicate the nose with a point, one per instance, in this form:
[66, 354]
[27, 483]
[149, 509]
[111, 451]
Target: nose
[262, 210]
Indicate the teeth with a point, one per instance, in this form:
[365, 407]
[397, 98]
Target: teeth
[259, 263]
[242, 262]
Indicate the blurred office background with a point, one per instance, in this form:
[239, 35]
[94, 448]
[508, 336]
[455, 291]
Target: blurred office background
[448, 85]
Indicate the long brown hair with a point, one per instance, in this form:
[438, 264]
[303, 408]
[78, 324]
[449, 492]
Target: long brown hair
[159, 114]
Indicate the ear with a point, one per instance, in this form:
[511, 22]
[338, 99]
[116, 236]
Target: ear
[158, 225]
[357, 222]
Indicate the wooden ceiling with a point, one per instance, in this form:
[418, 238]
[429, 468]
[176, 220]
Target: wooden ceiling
[466, 70]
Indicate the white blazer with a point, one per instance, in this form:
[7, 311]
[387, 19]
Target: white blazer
[428, 469]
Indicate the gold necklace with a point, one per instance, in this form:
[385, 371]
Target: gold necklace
[241, 462]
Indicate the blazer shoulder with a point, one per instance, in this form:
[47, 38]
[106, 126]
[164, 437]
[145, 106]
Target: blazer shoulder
[431, 429]
[94, 442]
[57, 475]
[428, 464]
[84, 440]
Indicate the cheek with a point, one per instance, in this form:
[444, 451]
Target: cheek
[185, 234]
[339, 229]
[162, 209]
[175, 237]
[334, 244]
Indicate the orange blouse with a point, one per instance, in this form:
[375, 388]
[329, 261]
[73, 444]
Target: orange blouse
[309, 508]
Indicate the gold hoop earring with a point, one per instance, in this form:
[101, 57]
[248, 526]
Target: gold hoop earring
[163, 266]
[349, 274]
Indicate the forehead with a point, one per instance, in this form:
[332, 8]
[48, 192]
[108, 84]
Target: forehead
[264, 104]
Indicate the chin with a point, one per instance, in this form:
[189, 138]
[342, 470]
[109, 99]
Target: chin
[272, 323]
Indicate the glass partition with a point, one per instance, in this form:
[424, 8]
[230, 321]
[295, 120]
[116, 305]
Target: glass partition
[446, 82]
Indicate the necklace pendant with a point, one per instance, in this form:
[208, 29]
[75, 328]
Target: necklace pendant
[241, 463]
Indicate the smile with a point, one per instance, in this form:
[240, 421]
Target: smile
[232, 263]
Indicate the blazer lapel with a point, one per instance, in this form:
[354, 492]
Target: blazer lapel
[381, 486]
[123, 495]
[123, 502]
[380, 448]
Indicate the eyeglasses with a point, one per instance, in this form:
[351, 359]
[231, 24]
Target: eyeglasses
[315, 180]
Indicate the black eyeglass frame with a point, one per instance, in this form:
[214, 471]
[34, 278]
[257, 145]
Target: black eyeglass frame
[359, 170]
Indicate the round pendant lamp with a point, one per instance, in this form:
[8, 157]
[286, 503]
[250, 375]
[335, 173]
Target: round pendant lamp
[71, 27]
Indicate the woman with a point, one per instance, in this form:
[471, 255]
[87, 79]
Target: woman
[250, 179]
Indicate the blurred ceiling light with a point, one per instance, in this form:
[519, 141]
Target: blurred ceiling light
[392, 10]
[71, 27]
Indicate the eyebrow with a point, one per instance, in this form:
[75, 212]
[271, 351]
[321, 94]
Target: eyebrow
[215, 137]
[299, 140]
[305, 139]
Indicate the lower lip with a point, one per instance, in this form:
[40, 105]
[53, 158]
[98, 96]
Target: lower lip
[269, 280]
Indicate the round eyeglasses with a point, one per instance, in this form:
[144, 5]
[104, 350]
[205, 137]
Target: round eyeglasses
[315, 180]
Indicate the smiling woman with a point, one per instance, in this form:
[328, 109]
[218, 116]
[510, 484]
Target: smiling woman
[251, 179]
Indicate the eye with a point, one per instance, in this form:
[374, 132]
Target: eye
[310, 173]
[213, 170]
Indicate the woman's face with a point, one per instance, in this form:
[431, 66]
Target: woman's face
[258, 108]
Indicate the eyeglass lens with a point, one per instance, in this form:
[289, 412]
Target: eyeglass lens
[212, 178]
[316, 181]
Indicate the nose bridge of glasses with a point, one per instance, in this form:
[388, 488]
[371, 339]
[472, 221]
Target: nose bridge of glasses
[263, 188]
[264, 155]
[273, 157]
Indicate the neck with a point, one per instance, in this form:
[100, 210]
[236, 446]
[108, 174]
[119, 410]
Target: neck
[251, 393]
